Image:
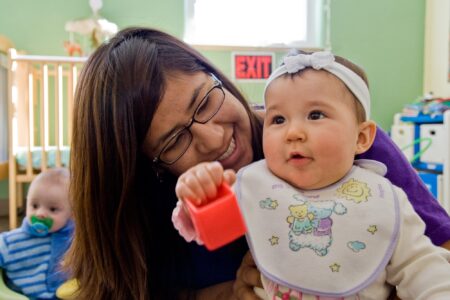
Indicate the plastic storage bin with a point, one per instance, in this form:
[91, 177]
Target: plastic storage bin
[433, 182]
[436, 152]
[403, 135]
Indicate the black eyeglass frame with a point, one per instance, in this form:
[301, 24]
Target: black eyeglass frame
[217, 84]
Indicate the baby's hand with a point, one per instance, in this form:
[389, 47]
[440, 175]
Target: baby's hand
[200, 183]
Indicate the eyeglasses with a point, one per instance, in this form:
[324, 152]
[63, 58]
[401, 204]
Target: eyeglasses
[208, 107]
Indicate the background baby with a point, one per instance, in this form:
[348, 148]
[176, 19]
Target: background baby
[31, 254]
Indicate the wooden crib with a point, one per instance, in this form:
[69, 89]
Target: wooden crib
[40, 102]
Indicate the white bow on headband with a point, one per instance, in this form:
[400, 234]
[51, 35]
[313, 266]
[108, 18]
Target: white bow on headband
[316, 60]
[324, 60]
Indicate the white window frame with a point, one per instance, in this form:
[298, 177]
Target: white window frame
[3, 108]
[316, 32]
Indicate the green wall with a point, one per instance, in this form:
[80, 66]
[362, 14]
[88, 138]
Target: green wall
[387, 38]
[38, 26]
[384, 36]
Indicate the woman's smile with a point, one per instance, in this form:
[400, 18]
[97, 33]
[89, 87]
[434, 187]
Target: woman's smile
[229, 151]
[231, 159]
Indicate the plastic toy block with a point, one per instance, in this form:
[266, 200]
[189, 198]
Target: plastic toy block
[219, 221]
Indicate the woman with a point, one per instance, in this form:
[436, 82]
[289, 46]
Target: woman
[147, 108]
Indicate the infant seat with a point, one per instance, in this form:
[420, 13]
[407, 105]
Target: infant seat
[67, 291]
[6, 292]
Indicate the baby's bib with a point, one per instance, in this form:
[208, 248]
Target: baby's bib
[331, 242]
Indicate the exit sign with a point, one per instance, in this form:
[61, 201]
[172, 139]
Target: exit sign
[252, 66]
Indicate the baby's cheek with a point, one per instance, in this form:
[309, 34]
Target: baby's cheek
[273, 161]
[270, 143]
[272, 150]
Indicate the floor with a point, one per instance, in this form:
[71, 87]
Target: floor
[4, 220]
[4, 223]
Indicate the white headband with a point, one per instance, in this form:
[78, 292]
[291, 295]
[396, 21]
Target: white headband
[325, 60]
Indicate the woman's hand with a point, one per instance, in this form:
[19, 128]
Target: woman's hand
[247, 278]
[446, 245]
[201, 182]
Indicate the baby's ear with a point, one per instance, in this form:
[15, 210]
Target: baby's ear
[366, 136]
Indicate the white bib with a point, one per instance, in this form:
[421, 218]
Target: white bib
[331, 242]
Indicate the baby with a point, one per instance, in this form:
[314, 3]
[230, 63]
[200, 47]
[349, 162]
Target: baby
[31, 254]
[321, 225]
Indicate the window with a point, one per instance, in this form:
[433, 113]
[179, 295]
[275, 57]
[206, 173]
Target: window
[255, 23]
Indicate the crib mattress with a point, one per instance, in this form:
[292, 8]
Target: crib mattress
[36, 156]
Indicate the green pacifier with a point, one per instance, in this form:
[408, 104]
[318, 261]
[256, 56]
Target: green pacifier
[41, 226]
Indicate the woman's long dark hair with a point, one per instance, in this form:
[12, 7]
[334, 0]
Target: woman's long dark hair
[124, 245]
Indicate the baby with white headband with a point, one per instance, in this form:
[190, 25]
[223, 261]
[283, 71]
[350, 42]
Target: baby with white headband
[320, 224]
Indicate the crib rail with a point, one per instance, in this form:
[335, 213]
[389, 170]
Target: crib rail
[40, 101]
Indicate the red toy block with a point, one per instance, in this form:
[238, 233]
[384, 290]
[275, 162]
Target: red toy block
[219, 221]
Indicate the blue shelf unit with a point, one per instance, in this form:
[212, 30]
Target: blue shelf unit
[434, 175]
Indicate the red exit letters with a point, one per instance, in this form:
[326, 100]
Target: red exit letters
[252, 66]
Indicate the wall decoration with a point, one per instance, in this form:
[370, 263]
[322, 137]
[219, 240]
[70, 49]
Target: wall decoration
[85, 35]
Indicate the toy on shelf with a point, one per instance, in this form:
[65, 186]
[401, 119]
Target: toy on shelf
[427, 106]
[219, 221]
[422, 141]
